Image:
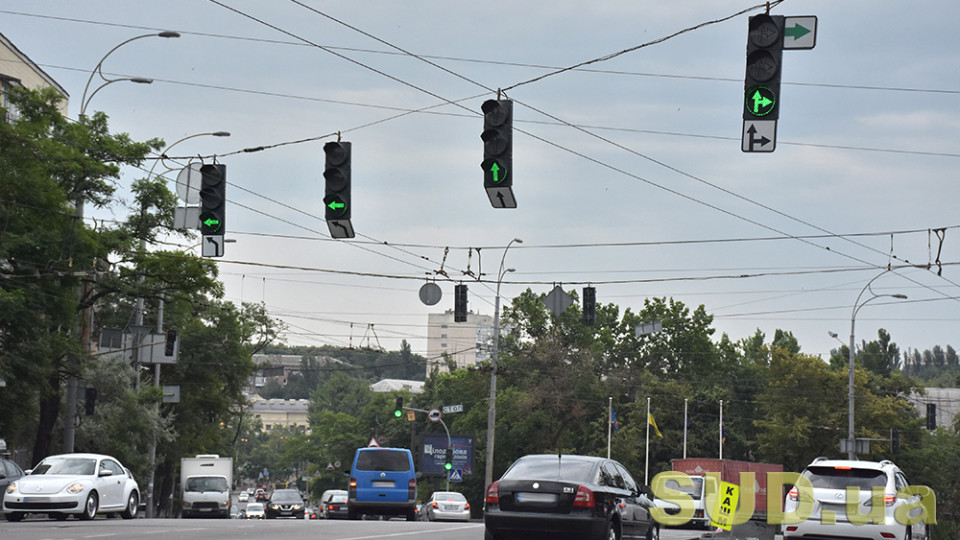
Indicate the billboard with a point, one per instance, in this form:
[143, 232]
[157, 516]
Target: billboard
[433, 451]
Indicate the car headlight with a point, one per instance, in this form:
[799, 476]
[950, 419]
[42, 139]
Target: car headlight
[75, 488]
[11, 487]
[275, 507]
[297, 507]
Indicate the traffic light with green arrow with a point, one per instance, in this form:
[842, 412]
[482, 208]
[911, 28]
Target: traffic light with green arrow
[336, 200]
[213, 199]
[497, 162]
[762, 81]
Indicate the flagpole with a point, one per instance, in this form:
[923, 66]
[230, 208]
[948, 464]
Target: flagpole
[609, 424]
[685, 428]
[646, 463]
[721, 429]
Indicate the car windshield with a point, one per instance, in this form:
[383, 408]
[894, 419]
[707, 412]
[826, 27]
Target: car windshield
[842, 477]
[448, 496]
[567, 468]
[383, 460]
[254, 507]
[68, 466]
[338, 499]
[695, 491]
[285, 495]
[203, 483]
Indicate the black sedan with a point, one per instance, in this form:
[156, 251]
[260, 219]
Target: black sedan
[571, 496]
[285, 503]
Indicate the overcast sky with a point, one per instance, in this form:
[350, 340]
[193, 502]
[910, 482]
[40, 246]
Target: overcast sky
[648, 196]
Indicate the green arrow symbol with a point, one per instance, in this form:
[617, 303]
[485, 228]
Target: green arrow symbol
[759, 101]
[334, 205]
[796, 31]
[495, 169]
[209, 222]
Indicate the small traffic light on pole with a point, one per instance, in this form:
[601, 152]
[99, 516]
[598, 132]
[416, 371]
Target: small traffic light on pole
[213, 199]
[336, 200]
[90, 401]
[448, 460]
[170, 347]
[460, 303]
[497, 162]
[398, 408]
[931, 416]
[589, 306]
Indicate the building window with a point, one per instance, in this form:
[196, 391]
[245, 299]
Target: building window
[443, 336]
[12, 114]
[443, 345]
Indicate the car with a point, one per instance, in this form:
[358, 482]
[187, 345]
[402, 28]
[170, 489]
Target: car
[285, 503]
[383, 482]
[9, 472]
[572, 496]
[830, 479]
[254, 510]
[79, 484]
[260, 495]
[333, 504]
[243, 496]
[446, 506]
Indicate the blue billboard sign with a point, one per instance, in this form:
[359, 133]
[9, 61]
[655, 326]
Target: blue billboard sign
[434, 452]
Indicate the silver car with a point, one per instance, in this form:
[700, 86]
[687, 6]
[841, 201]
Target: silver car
[828, 507]
[446, 505]
[79, 484]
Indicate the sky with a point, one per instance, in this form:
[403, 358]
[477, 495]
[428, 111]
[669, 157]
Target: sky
[628, 170]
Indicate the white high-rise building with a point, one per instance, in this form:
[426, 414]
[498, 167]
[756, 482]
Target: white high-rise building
[458, 344]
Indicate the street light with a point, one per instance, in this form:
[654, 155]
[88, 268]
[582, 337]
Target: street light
[84, 101]
[851, 440]
[492, 413]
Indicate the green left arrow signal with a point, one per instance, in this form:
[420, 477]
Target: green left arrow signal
[336, 206]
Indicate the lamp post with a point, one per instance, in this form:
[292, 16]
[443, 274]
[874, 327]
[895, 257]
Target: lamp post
[138, 320]
[851, 439]
[85, 323]
[98, 70]
[492, 412]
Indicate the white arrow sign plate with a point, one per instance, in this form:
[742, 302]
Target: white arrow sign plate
[759, 136]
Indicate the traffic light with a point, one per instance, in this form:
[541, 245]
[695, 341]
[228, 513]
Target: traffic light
[170, 347]
[762, 82]
[448, 460]
[336, 171]
[497, 162]
[589, 306]
[90, 401]
[931, 416]
[213, 199]
[460, 303]
[398, 408]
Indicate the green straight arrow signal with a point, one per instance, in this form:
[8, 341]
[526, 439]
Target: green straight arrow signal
[796, 31]
[495, 169]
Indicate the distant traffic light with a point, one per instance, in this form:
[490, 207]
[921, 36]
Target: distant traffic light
[460, 303]
[589, 306]
[762, 81]
[170, 347]
[213, 199]
[931, 416]
[448, 460]
[398, 408]
[336, 200]
[90, 401]
[497, 162]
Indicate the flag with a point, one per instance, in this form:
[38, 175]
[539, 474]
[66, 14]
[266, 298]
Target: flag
[613, 420]
[654, 424]
[723, 434]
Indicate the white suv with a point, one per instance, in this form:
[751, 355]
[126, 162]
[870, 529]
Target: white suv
[830, 479]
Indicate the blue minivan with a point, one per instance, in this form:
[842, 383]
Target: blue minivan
[382, 482]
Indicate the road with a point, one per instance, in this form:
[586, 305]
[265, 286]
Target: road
[232, 529]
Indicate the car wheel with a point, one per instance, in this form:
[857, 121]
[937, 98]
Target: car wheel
[133, 506]
[411, 515]
[90, 507]
[654, 532]
[909, 534]
[352, 514]
[14, 516]
[611, 531]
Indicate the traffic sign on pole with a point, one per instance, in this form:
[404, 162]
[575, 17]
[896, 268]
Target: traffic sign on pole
[434, 415]
[800, 32]
[759, 136]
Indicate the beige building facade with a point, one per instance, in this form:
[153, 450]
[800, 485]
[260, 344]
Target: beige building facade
[16, 69]
[461, 345]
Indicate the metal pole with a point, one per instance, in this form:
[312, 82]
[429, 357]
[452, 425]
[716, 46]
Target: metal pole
[646, 462]
[494, 363]
[685, 423]
[609, 424]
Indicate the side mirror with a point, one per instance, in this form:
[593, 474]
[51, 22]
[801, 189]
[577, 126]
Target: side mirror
[105, 472]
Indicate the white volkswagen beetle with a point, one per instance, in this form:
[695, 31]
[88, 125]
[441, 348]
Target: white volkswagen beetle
[81, 484]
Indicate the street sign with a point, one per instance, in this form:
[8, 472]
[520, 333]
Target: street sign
[800, 32]
[373, 443]
[411, 416]
[447, 409]
[340, 228]
[646, 328]
[189, 183]
[171, 394]
[213, 245]
[434, 415]
[557, 301]
[430, 294]
[501, 197]
[186, 217]
[759, 136]
[456, 475]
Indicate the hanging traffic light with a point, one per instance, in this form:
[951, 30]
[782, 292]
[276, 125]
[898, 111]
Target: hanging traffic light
[497, 162]
[460, 303]
[931, 416]
[170, 347]
[762, 81]
[398, 408]
[589, 306]
[90, 401]
[448, 460]
[213, 199]
[336, 200]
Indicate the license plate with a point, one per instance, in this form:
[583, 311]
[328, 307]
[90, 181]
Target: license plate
[35, 499]
[536, 497]
[382, 483]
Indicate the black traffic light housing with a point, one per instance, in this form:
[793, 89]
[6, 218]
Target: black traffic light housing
[336, 172]
[762, 81]
[497, 162]
[448, 460]
[931, 416]
[90, 401]
[589, 306]
[398, 408]
[170, 347]
[213, 199]
[460, 303]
